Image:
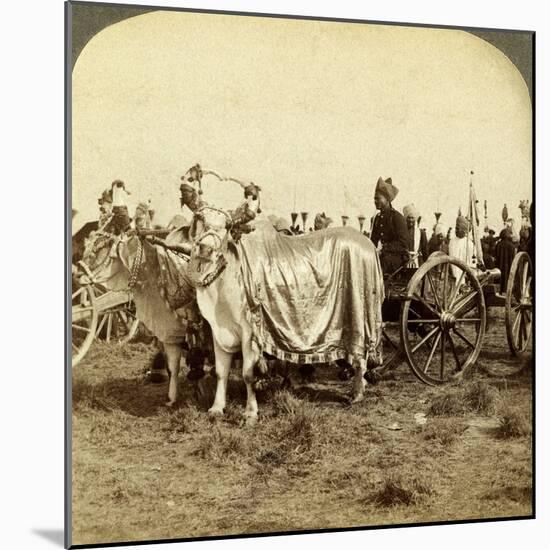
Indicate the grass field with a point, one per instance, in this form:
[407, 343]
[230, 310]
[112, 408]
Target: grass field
[408, 453]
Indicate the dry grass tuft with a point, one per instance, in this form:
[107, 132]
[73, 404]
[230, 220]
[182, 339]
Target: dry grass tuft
[513, 423]
[475, 396]
[445, 432]
[447, 404]
[397, 491]
[300, 429]
[481, 397]
[221, 445]
[284, 403]
[89, 396]
[186, 420]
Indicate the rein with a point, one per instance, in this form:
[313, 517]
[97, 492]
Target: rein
[221, 264]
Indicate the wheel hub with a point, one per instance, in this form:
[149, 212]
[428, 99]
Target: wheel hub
[447, 320]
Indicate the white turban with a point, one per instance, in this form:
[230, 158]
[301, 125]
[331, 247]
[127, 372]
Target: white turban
[410, 211]
[439, 229]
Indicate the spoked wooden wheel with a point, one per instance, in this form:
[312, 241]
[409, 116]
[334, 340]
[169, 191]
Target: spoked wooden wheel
[442, 320]
[519, 304]
[117, 317]
[84, 318]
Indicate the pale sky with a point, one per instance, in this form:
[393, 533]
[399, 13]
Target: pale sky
[313, 112]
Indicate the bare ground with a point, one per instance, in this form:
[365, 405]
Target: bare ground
[142, 471]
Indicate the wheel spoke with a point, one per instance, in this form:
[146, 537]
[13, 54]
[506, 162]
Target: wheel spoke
[462, 303]
[434, 292]
[432, 351]
[425, 339]
[101, 324]
[425, 303]
[79, 309]
[442, 367]
[412, 310]
[109, 326]
[468, 320]
[124, 320]
[524, 333]
[524, 274]
[78, 292]
[422, 321]
[74, 347]
[453, 348]
[521, 331]
[526, 292]
[79, 327]
[456, 289]
[445, 277]
[515, 326]
[463, 338]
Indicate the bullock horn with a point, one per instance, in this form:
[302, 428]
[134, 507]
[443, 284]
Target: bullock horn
[250, 189]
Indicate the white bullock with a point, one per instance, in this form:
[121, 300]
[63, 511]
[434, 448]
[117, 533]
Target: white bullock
[164, 298]
[337, 267]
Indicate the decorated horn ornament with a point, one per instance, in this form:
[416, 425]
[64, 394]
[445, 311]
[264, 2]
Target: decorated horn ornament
[196, 173]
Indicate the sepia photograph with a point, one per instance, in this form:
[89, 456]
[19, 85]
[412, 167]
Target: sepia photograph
[302, 274]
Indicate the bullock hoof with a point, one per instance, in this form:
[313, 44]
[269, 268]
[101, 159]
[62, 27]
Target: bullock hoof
[170, 403]
[251, 421]
[215, 411]
[356, 399]
[372, 377]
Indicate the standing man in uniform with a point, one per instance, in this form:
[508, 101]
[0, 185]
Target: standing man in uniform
[389, 228]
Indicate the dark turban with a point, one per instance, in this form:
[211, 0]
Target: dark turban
[386, 188]
[321, 221]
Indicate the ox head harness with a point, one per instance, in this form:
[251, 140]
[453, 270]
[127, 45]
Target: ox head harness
[201, 253]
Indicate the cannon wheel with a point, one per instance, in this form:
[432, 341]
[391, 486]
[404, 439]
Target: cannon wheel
[519, 304]
[118, 323]
[442, 320]
[84, 321]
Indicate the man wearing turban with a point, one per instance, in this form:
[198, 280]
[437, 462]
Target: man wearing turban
[189, 197]
[437, 239]
[142, 219]
[418, 242]
[462, 246]
[321, 222]
[389, 228]
[282, 226]
[505, 252]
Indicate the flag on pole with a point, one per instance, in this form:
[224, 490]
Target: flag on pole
[473, 215]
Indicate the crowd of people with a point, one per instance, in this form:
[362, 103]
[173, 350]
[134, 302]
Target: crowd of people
[400, 239]
[402, 242]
